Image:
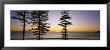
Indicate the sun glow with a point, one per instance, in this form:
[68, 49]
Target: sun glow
[71, 28]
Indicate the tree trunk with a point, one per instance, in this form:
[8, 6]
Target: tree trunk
[39, 25]
[24, 26]
[65, 31]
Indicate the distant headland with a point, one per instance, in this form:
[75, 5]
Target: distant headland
[98, 32]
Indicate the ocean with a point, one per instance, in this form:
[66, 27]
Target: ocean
[56, 36]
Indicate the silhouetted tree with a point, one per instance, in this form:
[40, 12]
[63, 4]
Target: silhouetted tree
[39, 23]
[21, 16]
[64, 23]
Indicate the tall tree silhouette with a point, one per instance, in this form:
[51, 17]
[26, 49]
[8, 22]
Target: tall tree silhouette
[39, 23]
[64, 23]
[21, 16]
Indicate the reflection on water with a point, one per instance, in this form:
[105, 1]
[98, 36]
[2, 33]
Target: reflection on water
[29, 35]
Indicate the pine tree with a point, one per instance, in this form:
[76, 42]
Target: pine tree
[64, 23]
[39, 25]
[21, 16]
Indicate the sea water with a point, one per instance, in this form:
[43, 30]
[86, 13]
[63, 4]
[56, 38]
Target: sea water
[72, 36]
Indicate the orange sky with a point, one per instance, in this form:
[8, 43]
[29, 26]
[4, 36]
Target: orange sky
[71, 28]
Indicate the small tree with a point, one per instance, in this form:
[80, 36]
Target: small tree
[38, 21]
[64, 23]
[21, 16]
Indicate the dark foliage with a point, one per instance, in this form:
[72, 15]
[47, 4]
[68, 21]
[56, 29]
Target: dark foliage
[39, 23]
[21, 16]
[64, 23]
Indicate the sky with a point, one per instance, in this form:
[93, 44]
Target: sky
[82, 21]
